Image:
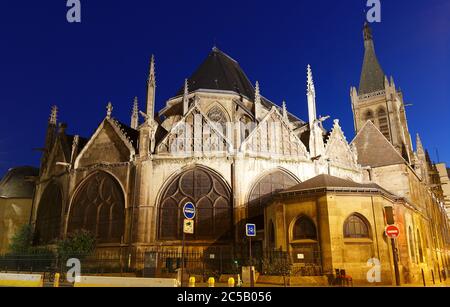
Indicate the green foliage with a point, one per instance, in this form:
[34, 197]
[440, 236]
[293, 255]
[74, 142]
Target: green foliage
[278, 267]
[79, 244]
[21, 243]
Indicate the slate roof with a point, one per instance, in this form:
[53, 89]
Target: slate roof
[15, 183]
[372, 75]
[220, 72]
[326, 181]
[374, 149]
[131, 133]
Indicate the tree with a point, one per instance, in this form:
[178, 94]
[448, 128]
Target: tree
[21, 243]
[79, 244]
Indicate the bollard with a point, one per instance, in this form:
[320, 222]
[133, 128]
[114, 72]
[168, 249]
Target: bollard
[211, 282]
[56, 281]
[231, 282]
[192, 282]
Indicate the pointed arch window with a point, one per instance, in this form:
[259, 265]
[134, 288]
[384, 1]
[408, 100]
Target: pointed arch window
[99, 207]
[412, 247]
[304, 229]
[212, 199]
[419, 244]
[262, 193]
[356, 227]
[218, 117]
[383, 122]
[369, 116]
[48, 222]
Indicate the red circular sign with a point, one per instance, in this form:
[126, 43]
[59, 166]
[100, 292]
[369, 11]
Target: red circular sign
[392, 231]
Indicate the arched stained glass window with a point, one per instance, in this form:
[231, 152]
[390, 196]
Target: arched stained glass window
[48, 222]
[99, 207]
[356, 227]
[212, 199]
[304, 228]
[218, 117]
[262, 193]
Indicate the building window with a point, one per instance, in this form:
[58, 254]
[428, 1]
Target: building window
[212, 199]
[304, 229]
[383, 123]
[356, 227]
[48, 222]
[369, 116]
[411, 244]
[219, 119]
[246, 127]
[99, 207]
[419, 244]
[262, 193]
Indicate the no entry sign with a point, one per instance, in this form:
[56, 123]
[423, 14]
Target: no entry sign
[392, 231]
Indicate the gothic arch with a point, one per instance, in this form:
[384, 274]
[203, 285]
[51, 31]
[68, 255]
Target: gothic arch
[262, 191]
[368, 115]
[212, 197]
[356, 226]
[303, 228]
[48, 217]
[218, 115]
[98, 205]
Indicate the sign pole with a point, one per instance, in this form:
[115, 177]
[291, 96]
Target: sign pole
[394, 253]
[252, 281]
[182, 259]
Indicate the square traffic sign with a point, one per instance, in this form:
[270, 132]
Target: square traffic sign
[250, 230]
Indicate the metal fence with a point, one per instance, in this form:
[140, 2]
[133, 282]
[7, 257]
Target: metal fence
[166, 263]
[274, 263]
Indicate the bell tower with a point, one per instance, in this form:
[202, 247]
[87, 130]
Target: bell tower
[377, 99]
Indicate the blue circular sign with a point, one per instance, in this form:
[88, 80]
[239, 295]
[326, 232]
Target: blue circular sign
[189, 211]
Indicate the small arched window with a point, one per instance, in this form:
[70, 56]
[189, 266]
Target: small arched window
[219, 119]
[369, 116]
[356, 227]
[383, 123]
[304, 229]
[411, 244]
[419, 243]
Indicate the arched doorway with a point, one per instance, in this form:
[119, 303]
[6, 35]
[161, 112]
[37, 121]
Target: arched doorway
[210, 195]
[99, 207]
[48, 218]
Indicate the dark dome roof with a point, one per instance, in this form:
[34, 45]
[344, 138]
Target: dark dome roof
[17, 184]
[220, 72]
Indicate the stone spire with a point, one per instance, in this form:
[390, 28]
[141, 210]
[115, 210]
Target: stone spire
[258, 104]
[285, 114]
[135, 114]
[109, 109]
[53, 116]
[372, 75]
[311, 94]
[151, 90]
[185, 97]
[419, 146]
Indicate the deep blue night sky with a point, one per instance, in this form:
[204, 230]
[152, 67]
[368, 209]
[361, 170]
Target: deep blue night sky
[44, 60]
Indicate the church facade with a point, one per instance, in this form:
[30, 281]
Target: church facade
[222, 145]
